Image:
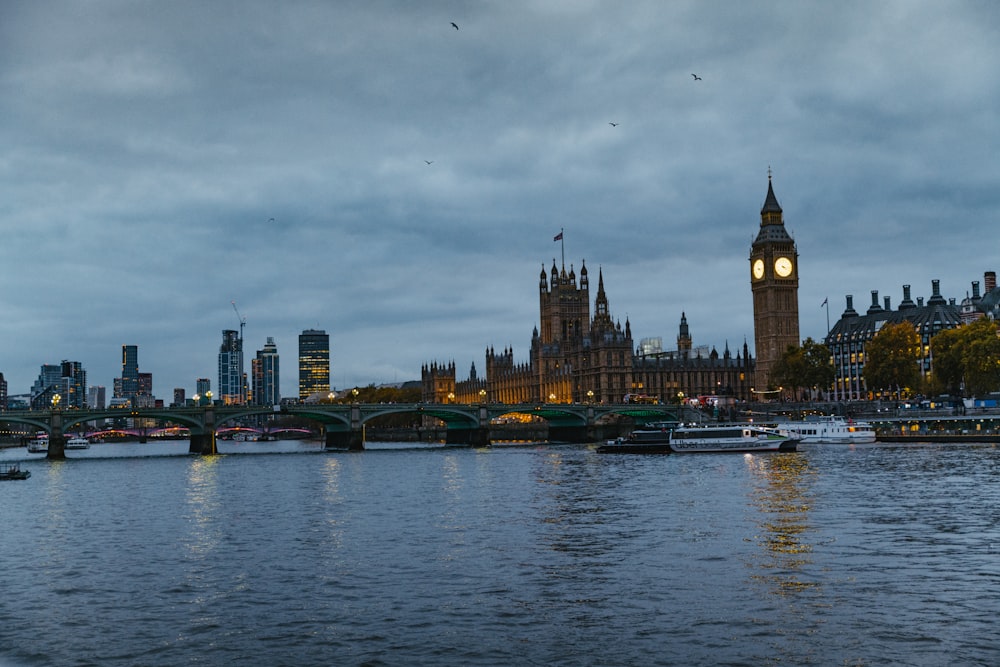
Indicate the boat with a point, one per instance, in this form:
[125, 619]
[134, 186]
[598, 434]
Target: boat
[653, 438]
[77, 443]
[39, 444]
[12, 471]
[830, 429]
[731, 438]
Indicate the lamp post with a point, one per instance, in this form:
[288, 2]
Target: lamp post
[590, 395]
[451, 397]
[482, 395]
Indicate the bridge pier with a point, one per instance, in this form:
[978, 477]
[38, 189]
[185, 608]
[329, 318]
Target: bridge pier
[352, 441]
[57, 440]
[203, 443]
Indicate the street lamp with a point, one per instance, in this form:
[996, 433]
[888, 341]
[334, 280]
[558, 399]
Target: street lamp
[451, 397]
[482, 395]
[55, 401]
[208, 397]
[590, 395]
[355, 393]
[552, 398]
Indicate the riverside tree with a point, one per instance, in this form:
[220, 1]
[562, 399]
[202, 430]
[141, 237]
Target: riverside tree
[891, 359]
[967, 357]
[809, 365]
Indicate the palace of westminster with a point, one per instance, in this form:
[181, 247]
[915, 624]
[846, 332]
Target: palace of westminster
[579, 358]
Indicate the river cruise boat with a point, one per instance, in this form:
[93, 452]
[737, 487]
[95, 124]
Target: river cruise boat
[39, 444]
[731, 438]
[830, 429]
[77, 443]
[653, 438]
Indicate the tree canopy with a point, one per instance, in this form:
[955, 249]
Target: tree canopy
[967, 358]
[891, 359]
[809, 365]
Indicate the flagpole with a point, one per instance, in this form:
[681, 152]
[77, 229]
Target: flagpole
[826, 302]
[562, 247]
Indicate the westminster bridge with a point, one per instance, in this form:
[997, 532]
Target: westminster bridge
[344, 424]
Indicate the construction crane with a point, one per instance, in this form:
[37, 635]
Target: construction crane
[242, 319]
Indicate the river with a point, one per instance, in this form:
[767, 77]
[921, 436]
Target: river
[282, 554]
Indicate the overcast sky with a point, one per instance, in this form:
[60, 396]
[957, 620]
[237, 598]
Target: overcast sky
[161, 160]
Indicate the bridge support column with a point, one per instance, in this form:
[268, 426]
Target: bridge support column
[204, 443]
[57, 441]
[352, 441]
[576, 434]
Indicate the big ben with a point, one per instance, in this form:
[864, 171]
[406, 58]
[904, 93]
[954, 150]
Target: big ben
[774, 281]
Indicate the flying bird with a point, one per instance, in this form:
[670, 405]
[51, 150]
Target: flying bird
[613, 124]
[429, 161]
[454, 25]
[696, 77]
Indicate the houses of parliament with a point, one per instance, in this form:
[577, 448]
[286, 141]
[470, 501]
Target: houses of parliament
[581, 357]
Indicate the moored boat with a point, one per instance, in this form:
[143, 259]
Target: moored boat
[77, 443]
[12, 471]
[39, 444]
[731, 438]
[830, 429]
[653, 438]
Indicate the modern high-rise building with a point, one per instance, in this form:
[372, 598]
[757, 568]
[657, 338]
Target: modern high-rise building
[314, 363]
[48, 384]
[179, 397]
[74, 385]
[266, 389]
[3, 393]
[130, 373]
[96, 397]
[203, 387]
[231, 387]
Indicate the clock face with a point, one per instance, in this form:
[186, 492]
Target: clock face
[783, 267]
[758, 269]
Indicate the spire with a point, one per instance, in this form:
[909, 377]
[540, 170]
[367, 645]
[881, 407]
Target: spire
[770, 202]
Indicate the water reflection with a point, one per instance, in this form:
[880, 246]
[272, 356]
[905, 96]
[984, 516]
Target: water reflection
[782, 498]
[203, 504]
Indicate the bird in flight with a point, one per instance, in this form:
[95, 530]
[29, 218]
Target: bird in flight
[613, 124]
[454, 25]
[696, 77]
[429, 161]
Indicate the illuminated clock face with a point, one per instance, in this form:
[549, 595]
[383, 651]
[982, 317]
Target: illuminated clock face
[758, 269]
[783, 267]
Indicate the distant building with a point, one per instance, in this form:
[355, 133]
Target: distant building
[74, 385]
[179, 397]
[202, 388]
[3, 393]
[129, 386]
[265, 371]
[96, 397]
[231, 380]
[314, 363]
[848, 337]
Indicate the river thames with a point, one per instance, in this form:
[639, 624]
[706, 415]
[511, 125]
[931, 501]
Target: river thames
[140, 554]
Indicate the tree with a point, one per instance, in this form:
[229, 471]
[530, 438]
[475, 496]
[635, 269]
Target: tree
[807, 366]
[967, 357]
[891, 359]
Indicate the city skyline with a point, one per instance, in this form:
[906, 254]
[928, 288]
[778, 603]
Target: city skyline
[366, 169]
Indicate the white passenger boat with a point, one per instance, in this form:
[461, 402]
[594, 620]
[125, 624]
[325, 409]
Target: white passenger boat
[39, 444]
[830, 429]
[731, 438]
[77, 443]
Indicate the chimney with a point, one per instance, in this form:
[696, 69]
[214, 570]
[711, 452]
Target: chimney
[907, 302]
[975, 290]
[920, 302]
[990, 281]
[874, 308]
[849, 311]
[936, 297]
[886, 301]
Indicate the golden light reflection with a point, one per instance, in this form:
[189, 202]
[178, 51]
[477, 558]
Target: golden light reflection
[203, 504]
[782, 499]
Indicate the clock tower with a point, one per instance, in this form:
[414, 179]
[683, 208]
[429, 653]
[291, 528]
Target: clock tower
[774, 282]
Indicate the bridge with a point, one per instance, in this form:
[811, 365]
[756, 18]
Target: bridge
[344, 424]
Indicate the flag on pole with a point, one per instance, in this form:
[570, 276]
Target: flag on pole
[558, 237]
[822, 304]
